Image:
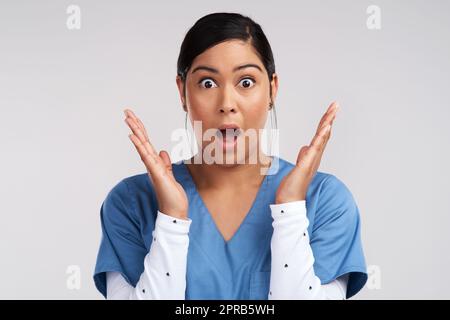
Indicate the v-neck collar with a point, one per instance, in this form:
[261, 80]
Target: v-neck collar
[250, 216]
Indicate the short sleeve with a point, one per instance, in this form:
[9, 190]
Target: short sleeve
[336, 236]
[121, 247]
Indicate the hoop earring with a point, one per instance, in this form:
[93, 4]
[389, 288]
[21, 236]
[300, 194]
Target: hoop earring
[187, 134]
[273, 120]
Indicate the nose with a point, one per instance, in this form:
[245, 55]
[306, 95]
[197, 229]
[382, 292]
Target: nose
[227, 109]
[227, 103]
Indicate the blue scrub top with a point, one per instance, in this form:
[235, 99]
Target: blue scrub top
[239, 268]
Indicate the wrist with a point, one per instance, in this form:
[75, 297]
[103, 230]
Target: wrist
[280, 201]
[174, 214]
[182, 217]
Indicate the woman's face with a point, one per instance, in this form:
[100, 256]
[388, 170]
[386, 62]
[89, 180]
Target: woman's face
[228, 84]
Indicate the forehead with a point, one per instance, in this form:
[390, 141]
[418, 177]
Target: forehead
[226, 55]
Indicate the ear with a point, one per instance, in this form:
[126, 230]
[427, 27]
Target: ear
[274, 86]
[180, 86]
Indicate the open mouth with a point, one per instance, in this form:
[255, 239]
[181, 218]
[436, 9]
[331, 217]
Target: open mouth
[229, 133]
[227, 137]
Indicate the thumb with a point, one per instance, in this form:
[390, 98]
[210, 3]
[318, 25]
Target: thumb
[166, 160]
[301, 154]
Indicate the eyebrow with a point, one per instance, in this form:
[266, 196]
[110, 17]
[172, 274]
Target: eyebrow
[213, 70]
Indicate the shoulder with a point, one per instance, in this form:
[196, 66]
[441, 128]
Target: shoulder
[322, 184]
[332, 202]
[128, 196]
[329, 201]
[127, 187]
[330, 187]
[285, 166]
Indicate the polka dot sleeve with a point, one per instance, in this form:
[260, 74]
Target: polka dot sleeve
[292, 274]
[164, 275]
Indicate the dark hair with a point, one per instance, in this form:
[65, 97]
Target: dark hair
[219, 27]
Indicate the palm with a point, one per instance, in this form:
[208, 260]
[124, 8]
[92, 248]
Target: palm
[293, 186]
[172, 198]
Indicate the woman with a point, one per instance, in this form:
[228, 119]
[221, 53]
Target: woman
[220, 229]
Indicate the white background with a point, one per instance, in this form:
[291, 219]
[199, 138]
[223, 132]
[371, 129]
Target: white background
[64, 143]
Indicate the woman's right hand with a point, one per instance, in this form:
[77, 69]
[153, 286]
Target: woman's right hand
[172, 199]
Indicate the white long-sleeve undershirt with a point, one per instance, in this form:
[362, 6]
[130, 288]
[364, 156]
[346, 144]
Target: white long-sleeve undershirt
[292, 275]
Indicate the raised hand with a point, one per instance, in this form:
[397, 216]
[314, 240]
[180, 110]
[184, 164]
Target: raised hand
[172, 199]
[294, 185]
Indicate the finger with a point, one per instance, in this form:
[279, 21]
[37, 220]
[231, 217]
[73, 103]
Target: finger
[137, 131]
[318, 143]
[328, 121]
[166, 159]
[330, 114]
[324, 116]
[314, 152]
[153, 163]
[148, 159]
[140, 135]
[131, 114]
[142, 127]
[332, 106]
[320, 139]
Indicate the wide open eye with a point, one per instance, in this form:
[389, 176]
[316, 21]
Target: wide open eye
[207, 83]
[247, 82]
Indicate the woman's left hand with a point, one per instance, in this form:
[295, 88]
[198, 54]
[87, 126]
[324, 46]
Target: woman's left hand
[294, 185]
